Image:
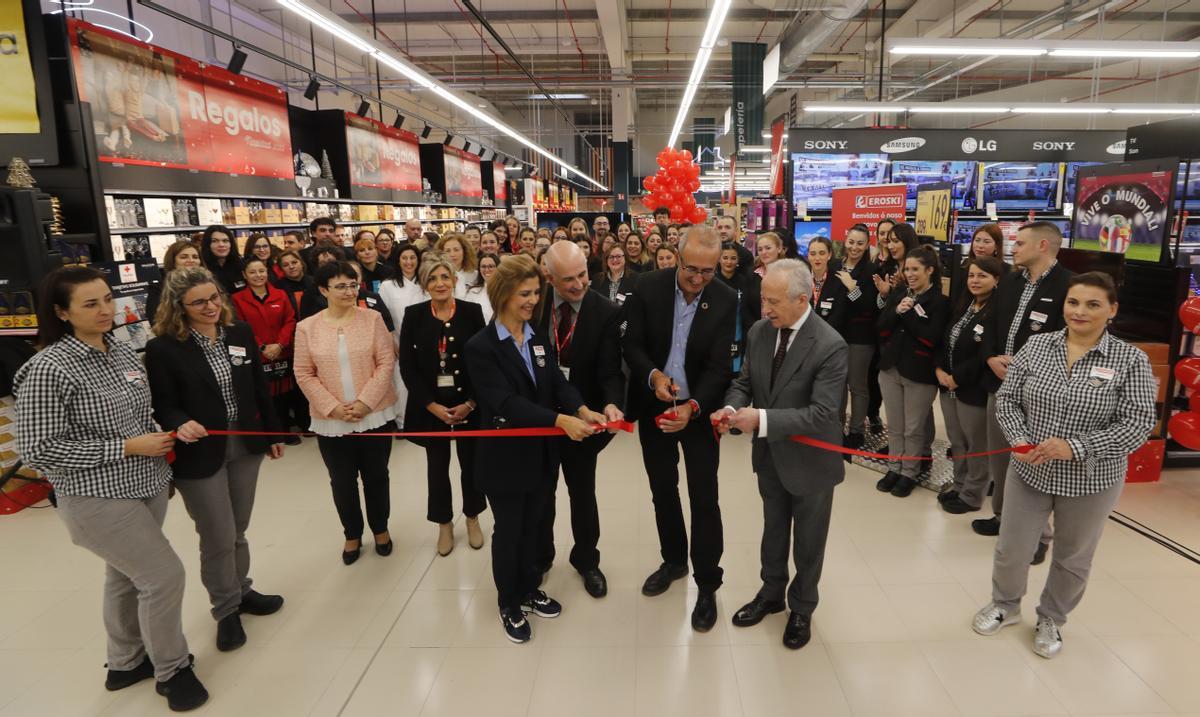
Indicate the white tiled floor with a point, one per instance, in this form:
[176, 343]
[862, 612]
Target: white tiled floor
[417, 634]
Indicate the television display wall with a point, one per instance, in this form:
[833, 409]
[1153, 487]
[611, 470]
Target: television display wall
[1020, 185]
[815, 176]
[961, 175]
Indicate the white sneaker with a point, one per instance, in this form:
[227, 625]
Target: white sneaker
[1047, 640]
[991, 619]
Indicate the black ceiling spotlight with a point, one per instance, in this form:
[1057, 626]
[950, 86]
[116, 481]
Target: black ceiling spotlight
[364, 108]
[487, 154]
[399, 121]
[481, 150]
[236, 61]
[448, 140]
[467, 147]
[310, 92]
[425, 131]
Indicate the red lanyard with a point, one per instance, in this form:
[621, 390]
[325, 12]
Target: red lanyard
[558, 347]
[442, 346]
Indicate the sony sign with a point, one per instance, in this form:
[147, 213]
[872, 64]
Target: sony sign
[826, 143]
[1053, 146]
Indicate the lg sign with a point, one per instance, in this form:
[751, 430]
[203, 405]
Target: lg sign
[970, 145]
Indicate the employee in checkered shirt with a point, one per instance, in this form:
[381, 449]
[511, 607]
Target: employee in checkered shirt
[1085, 400]
[85, 421]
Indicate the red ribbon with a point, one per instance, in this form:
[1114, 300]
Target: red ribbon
[625, 426]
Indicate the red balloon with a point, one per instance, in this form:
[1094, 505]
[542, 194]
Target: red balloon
[1185, 429]
[687, 155]
[677, 211]
[648, 183]
[1189, 313]
[1187, 372]
[650, 201]
[698, 215]
[664, 197]
[694, 170]
[1194, 401]
[693, 185]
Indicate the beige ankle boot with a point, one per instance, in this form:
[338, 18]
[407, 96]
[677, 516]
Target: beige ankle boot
[445, 541]
[474, 533]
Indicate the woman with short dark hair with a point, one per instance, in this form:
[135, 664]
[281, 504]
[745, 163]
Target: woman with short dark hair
[85, 421]
[1079, 401]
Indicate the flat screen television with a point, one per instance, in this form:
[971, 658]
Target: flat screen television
[963, 177]
[806, 232]
[27, 125]
[1020, 185]
[1068, 183]
[1187, 184]
[815, 176]
[1125, 208]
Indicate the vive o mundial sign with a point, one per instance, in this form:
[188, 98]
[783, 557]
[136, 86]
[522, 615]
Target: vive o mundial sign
[964, 145]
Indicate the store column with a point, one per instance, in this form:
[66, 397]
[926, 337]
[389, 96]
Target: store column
[622, 151]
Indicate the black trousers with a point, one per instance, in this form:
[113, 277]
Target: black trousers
[291, 407]
[579, 473]
[349, 457]
[701, 456]
[437, 458]
[798, 524]
[517, 521]
[876, 395]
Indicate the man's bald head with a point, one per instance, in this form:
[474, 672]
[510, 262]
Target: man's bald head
[568, 270]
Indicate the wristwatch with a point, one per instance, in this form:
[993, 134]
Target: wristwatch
[695, 407]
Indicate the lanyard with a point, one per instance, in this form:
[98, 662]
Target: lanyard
[558, 346]
[442, 345]
[819, 285]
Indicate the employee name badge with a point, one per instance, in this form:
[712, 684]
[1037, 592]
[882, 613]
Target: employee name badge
[539, 353]
[827, 304]
[978, 333]
[1101, 373]
[133, 376]
[920, 311]
[237, 355]
[445, 380]
[1037, 320]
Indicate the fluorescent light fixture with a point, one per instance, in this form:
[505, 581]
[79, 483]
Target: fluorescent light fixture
[988, 47]
[852, 107]
[337, 27]
[716, 19]
[558, 96]
[954, 108]
[1157, 110]
[755, 150]
[1062, 109]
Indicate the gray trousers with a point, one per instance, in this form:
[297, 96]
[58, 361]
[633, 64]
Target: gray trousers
[220, 505]
[858, 368]
[143, 583]
[998, 463]
[799, 522]
[966, 426]
[909, 406]
[1078, 525]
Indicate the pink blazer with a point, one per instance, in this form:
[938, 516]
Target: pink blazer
[318, 371]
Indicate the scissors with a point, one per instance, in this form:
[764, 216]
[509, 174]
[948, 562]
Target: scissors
[674, 399]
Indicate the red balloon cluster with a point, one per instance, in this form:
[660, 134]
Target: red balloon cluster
[1185, 427]
[673, 185]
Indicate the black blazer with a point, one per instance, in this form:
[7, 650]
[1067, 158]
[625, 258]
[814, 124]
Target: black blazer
[594, 354]
[858, 327]
[183, 388]
[229, 276]
[833, 306]
[909, 341]
[708, 359]
[1047, 299]
[508, 398]
[420, 333]
[970, 363]
[601, 283]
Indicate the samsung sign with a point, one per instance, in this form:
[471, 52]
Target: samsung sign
[904, 144]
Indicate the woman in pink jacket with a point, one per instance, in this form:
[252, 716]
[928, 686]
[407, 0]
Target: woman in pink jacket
[343, 364]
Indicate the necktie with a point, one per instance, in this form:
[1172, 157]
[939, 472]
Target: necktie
[780, 353]
[565, 314]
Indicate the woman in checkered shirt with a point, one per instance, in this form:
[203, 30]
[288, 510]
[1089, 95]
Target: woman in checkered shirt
[1084, 400]
[85, 421]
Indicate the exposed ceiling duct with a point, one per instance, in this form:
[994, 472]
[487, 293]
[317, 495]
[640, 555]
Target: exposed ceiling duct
[807, 34]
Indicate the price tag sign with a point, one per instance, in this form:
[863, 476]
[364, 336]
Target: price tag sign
[933, 211]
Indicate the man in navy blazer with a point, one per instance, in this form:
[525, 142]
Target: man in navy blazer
[678, 344]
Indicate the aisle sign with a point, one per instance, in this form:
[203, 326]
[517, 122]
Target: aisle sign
[153, 107]
[933, 210]
[866, 205]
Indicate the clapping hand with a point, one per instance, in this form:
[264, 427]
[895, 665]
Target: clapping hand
[847, 280]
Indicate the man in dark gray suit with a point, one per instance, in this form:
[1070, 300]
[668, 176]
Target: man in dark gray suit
[794, 375]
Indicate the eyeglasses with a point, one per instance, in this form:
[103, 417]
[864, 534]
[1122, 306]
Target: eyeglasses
[703, 273]
[201, 303]
[615, 256]
[352, 286]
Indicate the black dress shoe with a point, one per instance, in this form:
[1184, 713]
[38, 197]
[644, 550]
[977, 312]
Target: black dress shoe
[947, 495]
[955, 506]
[853, 441]
[754, 611]
[350, 556]
[798, 631]
[661, 579]
[255, 603]
[1039, 557]
[291, 441]
[183, 691]
[594, 582]
[120, 679]
[230, 635]
[887, 482]
[704, 615]
[384, 549]
[987, 526]
[904, 487]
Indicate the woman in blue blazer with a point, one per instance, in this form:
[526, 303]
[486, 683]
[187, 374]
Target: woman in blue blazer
[518, 385]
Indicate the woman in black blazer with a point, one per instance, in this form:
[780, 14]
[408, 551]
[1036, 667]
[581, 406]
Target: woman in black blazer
[440, 398]
[829, 294]
[518, 385]
[616, 280]
[961, 363]
[204, 372]
[219, 252]
[910, 325]
[856, 275]
[747, 284]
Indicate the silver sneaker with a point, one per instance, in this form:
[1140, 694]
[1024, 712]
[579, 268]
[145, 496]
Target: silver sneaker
[1047, 640]
[992, 618]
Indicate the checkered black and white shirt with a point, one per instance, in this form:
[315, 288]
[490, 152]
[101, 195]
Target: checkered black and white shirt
[1104, 409]
[216, 353]
[76, 406]
[1027, 293]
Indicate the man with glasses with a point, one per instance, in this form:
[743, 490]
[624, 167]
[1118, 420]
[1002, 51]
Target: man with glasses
[677, 344]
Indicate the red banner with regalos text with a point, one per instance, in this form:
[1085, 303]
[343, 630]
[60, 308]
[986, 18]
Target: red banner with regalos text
[157, 108]
[382, 156]
[499, 185]
[464, 181]
[865, 205]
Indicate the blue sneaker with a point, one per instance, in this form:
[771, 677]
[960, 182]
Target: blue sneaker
[515, 625]
[538, 603]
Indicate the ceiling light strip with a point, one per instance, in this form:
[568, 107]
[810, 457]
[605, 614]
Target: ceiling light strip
[985, 47]
[338, 28]
[716, 19]
[1047, 108]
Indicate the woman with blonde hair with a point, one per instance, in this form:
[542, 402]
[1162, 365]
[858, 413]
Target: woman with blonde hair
[770, 249]
[462, 256]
